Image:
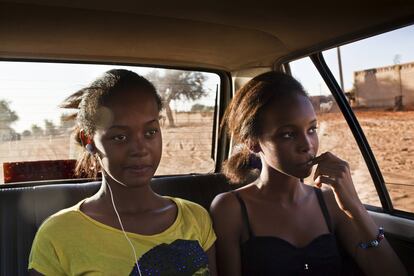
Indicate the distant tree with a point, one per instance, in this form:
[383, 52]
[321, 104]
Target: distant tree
[67, 122]
[36, 130]
[7, 116]
[26, 133]
[177, 85]
[50, 128]
[202, 108]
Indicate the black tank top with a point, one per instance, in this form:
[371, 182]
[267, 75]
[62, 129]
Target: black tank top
[275, 256]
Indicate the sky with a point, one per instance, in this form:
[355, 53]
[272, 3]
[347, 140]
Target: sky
[21, 83]
[377, 51]
[34, 90]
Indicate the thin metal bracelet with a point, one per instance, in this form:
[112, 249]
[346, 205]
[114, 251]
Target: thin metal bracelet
[373, 243]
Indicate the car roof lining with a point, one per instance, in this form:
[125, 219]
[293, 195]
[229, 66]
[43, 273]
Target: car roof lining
[228, 36]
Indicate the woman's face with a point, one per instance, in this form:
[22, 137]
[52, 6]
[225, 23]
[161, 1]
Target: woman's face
[289, 140]
[128, 137]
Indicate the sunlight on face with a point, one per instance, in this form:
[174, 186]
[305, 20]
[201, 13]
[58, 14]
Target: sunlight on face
[129, 138]
[289, 139]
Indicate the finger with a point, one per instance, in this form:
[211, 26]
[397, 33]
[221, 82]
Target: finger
[318, 159]
[337, 171]
[318, 184]
[324, 180]
[326, 170]
[317, 172]
[327, 156]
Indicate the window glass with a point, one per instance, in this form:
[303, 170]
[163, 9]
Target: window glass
[378, 75]
[333, 131]
[32, 126]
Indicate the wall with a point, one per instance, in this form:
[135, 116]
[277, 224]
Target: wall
[382, 87]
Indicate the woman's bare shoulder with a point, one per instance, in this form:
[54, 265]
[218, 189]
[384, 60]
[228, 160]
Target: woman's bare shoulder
[226, 214]
[226, 202]
[229, 201]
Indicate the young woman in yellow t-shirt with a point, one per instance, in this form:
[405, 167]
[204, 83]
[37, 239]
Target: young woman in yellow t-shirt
[125, 228]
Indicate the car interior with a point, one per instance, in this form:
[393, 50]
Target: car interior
[236, 40]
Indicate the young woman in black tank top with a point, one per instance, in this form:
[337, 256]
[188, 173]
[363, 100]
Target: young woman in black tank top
[277, 225]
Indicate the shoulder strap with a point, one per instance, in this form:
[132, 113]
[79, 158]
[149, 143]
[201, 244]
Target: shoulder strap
[245, 216]
[324, 209]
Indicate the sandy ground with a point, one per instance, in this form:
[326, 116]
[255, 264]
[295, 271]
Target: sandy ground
[391, 137]
[187, 148]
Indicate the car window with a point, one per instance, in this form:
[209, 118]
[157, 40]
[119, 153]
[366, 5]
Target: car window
[378, 79]
[334, 133]
[33, 128]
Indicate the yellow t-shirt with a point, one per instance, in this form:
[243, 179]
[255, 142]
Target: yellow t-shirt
[71, 243]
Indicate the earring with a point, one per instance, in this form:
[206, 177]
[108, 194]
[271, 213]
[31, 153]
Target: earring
[89, 147]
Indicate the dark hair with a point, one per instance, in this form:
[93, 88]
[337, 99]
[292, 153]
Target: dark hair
[88, 101]
[243, 118]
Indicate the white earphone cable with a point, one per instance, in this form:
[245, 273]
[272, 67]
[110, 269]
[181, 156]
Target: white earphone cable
[119, 217]
[123, 230]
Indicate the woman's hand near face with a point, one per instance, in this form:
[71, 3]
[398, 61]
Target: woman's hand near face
[335, 172]
[352, 222]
